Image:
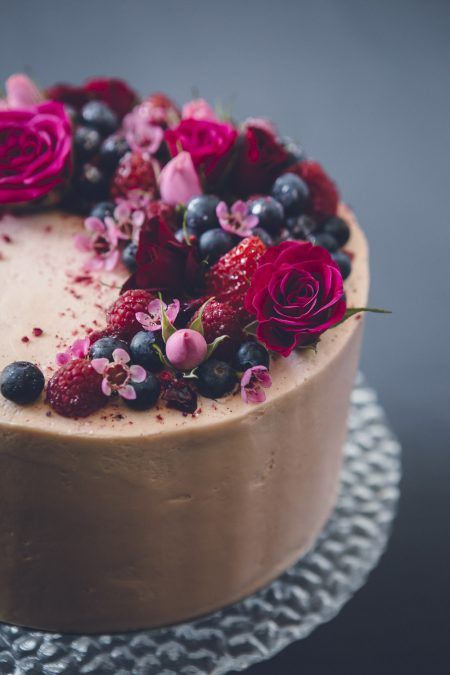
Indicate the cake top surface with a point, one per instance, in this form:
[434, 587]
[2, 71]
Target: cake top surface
[163, 268]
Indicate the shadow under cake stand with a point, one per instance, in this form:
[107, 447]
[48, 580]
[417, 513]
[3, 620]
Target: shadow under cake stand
[255, 629]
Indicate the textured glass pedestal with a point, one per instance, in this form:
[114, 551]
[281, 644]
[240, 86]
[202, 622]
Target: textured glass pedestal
[310, 593]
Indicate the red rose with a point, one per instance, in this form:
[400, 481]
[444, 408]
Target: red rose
[115, 93]
[68, 93]
[297, 294]
[324, 195]
[208, 143]
[163, 263]
[260, 162]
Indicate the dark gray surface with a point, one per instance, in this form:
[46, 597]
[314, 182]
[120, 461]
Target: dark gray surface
[365, 87]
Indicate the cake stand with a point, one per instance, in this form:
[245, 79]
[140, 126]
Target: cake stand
[310, 593]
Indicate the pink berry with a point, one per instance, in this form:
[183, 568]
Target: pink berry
[186, 349]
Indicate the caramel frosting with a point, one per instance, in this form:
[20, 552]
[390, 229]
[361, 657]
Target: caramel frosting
[129, 519]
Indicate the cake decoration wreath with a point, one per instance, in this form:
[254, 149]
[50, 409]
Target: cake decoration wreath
[230, 234]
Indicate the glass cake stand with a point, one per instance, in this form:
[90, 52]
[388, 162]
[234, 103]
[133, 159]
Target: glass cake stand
[310, 593]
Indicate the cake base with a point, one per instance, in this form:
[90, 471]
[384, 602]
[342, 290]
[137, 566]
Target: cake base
[311, 592]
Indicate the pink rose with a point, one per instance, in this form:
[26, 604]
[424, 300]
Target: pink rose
[21, 92]
[178, 181]
[209, 144]
[199, 109]
[296, 293]
[35, 151]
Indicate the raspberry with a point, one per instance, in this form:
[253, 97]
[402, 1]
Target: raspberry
[230, 277]
[121, 317]
[95, 335]
[324, 195]
[219, 318]
[75, 389]
[134, 172]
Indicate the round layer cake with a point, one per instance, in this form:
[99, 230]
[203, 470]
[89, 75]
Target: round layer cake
[126, 520]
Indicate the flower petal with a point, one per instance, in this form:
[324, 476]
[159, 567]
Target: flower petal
[120, 356]
[138, 373]
[128, 392]
[100, 365]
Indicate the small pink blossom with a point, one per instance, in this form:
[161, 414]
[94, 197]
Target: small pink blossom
[153, 320]
[128, 218]
[102, 241]
[199, 109]
[186, 349]
[253, 383]
[78, 350]
[21, 92]
[117, 374]
[179, 181]
[140, 131]
[237, 221]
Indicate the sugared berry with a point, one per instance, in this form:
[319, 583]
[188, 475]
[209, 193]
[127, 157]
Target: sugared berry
[98, 115]
[215, 243]
[338, 229]
[134, 172]
[121, 317]
[292, 192]
[21, 382]
[104, 347]
[178, 393]
[102, 210]
[216, 378]
[92, 183]
[86, 143]
[270, 214]
[129, 256]
[343, 262]
[326, 241]
[143, 352]
[75, 389]
[147, 393]
[112, 150]
[251, 354]
[201, 214]
[218, 319]
[300, 227]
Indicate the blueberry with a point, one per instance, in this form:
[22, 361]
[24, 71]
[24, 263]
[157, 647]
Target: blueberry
[92, 183]
[338, 229]
[326, 241]
[201, 214]
[143, 352]
[295, 150]
[270, 214]
[86, 143]
[147, 393]
[215, 243]
[102, 210]
[215, 378]
[100, 116]
[21, 382]
[300, 227]
[292, 192]
[263, 235]
[344, 263]
[252, 354]
[112, 150]
[103, 348]
[129, 257]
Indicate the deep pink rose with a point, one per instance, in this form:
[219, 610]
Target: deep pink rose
[297, 293]
[260, 161]
[35, 148]
[209, 144]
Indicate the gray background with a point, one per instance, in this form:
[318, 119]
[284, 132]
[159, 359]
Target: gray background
[365, 87]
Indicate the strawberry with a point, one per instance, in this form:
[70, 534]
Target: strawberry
[230, 277]
[219, 318]
[134, 172]
[121, 317]
[75, 389]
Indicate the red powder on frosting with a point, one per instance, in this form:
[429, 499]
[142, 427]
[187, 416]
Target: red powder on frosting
[25, 339]
[6, 238]
[37, 332]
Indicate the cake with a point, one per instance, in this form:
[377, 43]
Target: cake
[152, 469]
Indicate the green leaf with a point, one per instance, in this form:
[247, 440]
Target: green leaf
[213, 346]
[192, 375]
[197, 323]
[351, 311]
[161, 355]
[185, 229]
[168, 329]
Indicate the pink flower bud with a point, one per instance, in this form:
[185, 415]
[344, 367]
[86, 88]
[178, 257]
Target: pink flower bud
[186, 349]
[199, 109]
[178, 181]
